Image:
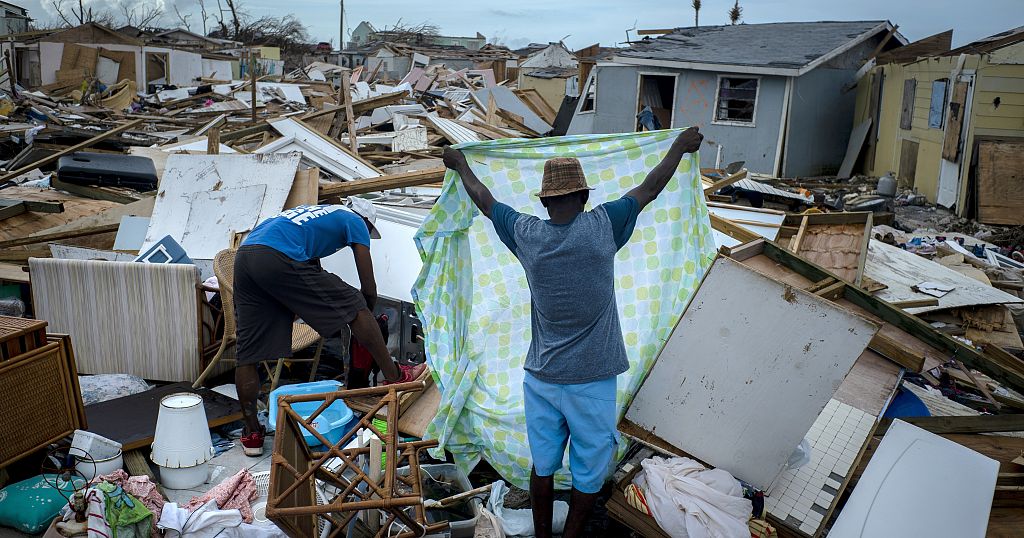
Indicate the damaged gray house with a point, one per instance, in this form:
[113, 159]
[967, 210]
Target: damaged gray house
[777, 96]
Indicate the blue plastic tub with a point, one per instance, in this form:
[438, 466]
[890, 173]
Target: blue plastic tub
[332, 423]
[906, 404]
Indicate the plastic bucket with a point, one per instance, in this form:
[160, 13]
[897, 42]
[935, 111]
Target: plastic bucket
[91, 446]
[184, 477]
[182, 438]
[92, 467]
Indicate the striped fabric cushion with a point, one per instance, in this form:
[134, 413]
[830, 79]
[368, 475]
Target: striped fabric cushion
[123, 317]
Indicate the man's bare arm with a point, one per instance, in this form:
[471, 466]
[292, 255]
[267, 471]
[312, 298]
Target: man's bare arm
[364, 267]
[481, 196]
[687, 142]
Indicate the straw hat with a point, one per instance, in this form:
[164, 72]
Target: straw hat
[562, 175]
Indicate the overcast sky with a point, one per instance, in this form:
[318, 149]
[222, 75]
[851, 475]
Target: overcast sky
[516, 23]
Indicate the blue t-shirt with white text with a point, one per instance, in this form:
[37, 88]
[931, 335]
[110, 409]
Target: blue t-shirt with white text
[311, 231]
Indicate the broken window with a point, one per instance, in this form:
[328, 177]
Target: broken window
[655, 101]
[737, 99]
[589, 99]
[937, 109]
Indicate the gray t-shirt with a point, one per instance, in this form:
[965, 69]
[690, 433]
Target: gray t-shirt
[571, 272]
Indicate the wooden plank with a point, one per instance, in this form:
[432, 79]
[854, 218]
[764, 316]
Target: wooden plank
[110, 194]
[394, 181]
[349, 115]
[69, 234]
[131, 420]
[21, 256]
[732, 229]
[77, 147]
[915, 303]
[908, 161]
[907, 112]
[725, 182]
[896, 352]
[964, 424]
[954, 122]
[1000, 175]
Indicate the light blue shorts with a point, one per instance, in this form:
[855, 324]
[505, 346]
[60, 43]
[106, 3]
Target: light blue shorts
[581, 415]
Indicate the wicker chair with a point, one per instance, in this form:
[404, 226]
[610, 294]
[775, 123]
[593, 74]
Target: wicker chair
[303, 335]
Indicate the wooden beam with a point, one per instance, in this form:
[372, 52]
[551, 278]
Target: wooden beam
[915, 303]
[77, 147]
[394, 181]
[93, 192]
[964, 424]
[213, 141]
[832, 291]
[732, 229]
[349, 115]
[659, 31]
[896, 352]
[21, 256]
[10, 208]
[725, 182]
[57, 236]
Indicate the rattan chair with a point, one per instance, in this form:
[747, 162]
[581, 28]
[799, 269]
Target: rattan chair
[303, 335]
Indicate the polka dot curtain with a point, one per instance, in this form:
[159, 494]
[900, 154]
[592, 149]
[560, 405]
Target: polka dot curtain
[474, 301]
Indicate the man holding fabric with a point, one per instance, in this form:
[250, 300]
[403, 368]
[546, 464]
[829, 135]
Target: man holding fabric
[576, 350]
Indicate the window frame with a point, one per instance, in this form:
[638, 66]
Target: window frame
[718, 94]
[591, 83]
[942, 106]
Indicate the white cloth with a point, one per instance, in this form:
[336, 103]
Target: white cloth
[691, 501]
[208, 521]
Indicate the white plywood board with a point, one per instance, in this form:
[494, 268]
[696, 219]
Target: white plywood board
[506, 100]
[896, 494]
[747, 370]
[216, 215]
[314, 146]
[899, 270]
[219, 177]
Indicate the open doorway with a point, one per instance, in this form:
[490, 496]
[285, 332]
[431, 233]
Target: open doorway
[656, 97]
[156, 69]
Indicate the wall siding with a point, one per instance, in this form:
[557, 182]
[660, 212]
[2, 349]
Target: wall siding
[1005, 81]
[694, 105]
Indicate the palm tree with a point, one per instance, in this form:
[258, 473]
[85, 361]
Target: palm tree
[696, 12]
[735, 13]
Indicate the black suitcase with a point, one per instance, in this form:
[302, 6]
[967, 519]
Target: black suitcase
[107, 170]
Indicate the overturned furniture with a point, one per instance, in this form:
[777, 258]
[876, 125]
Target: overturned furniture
[347, 488]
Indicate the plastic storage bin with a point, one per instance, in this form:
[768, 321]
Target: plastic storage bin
[332, 423]
[457, 529]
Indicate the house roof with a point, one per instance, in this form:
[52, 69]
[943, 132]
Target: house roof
[24, 12]
[553, 72]
[991, 43]
[787, 48]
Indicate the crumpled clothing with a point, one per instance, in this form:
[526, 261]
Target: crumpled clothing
[689, 500]
[140, 487]
[126, 515]
[474, 300]
[207, 521]
[234, 492]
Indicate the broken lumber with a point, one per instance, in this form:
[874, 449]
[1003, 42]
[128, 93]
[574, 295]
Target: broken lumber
[57, 236]
[67, 151]
[383, 183]
[896, 352]
[11, 208]
[963, 424]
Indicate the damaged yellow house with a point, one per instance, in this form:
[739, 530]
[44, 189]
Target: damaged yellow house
[950, 123]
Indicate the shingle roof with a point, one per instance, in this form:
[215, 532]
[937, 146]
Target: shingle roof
[784, 45]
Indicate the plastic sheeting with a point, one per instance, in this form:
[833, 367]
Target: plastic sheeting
[474, 301]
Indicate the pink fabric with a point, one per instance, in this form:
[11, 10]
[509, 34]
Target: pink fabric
[140, 487]
[235, 492]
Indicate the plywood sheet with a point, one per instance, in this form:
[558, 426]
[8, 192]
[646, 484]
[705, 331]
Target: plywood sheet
[895, 496]
[219, 177]
[853, 147]
[899, 270]
[750, 365]
[1001, 182]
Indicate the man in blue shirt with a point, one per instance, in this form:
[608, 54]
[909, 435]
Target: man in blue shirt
[278, 276]
[576, 350]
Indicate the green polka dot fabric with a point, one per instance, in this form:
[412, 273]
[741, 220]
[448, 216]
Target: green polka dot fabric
[474, 301]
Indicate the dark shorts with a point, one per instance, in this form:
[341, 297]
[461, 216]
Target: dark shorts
[271, 289]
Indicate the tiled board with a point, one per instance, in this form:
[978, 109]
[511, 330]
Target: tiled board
[801, 497]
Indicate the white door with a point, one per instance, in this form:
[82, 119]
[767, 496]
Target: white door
[950, 172]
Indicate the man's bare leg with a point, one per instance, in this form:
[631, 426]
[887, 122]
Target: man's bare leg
[542, 500]
[581, 505]
[247, 383]
[366, 330]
